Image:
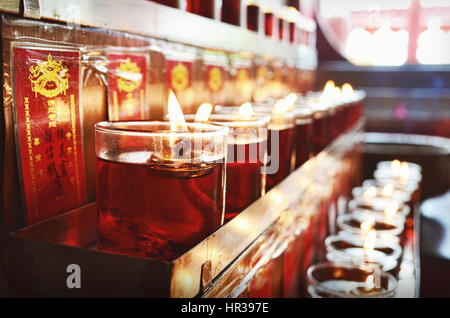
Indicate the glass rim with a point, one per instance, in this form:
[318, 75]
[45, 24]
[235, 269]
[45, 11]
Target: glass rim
[347, 237]
[111, 128]
[396, 231]
[397, 195]
[259, 110]
[233, 120]
[313, 282]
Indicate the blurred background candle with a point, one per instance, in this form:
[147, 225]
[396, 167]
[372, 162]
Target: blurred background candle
[359, 249]
[246, 155]
[344, 280]
[280, 140]
[358, 223]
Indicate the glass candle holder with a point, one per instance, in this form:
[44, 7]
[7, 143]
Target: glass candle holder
[379, 206]
[169, 3]
[280, 142]
[269, 23]
[303, 135]
[204, 8]
[373, 194]
[320, 128]
[231, 12]
[414, 167]
[353, 223]
[252, 16]
[246, 160]
[344, 280]
[159, 191]
[409, 189]
[346, 247]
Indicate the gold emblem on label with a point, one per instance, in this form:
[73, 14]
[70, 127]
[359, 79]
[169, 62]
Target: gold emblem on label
[215, 79]
[49, 78]
[180, 77]
[129, 76]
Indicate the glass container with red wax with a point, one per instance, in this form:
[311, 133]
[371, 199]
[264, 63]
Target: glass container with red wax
[160, 190]
[280, 141]
[269, 23]
[303, 135]
[246, 160]
[320, 128]
[231, 12]
[252, 15]
[169, 3]
[345, 280]
[201, 7]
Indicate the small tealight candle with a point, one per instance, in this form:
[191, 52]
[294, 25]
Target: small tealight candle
[380, 206]
[380, 193]
[345, 280]
[355, 223]
[408, 189]
[358, 249]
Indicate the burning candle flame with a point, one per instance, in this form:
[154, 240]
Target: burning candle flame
[370, 283]
[337, 92]
[391, 209]
[388, 189]
[329, 87]
[369, 242]
[246, 110]
[176, 117]
[347, 90]
[404, 170]
[395, 167]
[370, 193]
[367, 225]
[203, 112]
[280, 107]
[290, 100]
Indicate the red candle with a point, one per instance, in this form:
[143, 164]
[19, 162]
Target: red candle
[231, 11]
[303, 135]
[269, 23]
[201, 7]
[160, 185]
[253, 17]
[246, 159]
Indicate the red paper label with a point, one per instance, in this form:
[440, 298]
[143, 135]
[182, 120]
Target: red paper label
[214, 77]
[126, 84]
[179, 75]
[48, 122]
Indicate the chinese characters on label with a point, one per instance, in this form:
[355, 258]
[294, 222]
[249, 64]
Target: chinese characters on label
[49, 130]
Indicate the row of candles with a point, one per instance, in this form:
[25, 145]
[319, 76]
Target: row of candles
[275, 19]
[162, 187]
[363, 259]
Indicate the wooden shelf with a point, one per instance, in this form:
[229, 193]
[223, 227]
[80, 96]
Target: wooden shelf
[146, 18]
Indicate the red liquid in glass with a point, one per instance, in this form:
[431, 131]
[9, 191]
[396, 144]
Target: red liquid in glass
[252, 17]
[291, 32]
[154, 211]
[201, 7]
[169, 3]
[281, 28]
[286, 149]
[245, 178]
[268, 23]
[320, 134]
[231, 11]
[303, 142]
